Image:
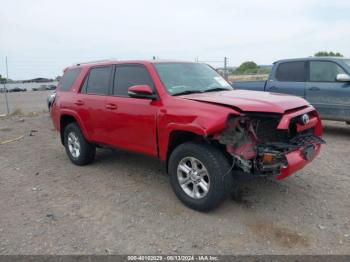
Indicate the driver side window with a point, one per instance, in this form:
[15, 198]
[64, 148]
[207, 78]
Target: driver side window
[130, 75]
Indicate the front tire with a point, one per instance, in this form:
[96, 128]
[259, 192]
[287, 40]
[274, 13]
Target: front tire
[78, 149]
[199, 175]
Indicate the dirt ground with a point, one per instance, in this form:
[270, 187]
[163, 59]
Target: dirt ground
[123, 203]
[30, 101]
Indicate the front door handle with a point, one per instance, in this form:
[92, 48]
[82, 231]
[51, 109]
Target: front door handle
[111, 106]
[314, 88]
[273, 88]
[79, 102]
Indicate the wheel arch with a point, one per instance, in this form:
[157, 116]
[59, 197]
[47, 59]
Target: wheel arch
[178, 137]
[66, 119]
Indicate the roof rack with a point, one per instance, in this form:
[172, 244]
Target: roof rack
[92, 62]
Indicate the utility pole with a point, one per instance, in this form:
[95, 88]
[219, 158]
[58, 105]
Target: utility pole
[5, 89]
[225, 68]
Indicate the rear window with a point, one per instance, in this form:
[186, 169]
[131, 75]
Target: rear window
[98, 81]
[69, 78]
[291, 72]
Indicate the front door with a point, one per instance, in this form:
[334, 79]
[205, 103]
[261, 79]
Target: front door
[330, 97]
[132, 121]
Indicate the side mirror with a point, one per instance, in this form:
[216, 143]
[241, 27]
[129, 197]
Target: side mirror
[141, 91]
[343, 78]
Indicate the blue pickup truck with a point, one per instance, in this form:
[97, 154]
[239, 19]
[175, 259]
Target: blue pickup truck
[323, 81]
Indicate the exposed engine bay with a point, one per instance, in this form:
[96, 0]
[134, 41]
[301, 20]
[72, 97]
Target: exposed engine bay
[258, 147]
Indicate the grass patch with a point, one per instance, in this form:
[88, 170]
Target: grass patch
[16, 112]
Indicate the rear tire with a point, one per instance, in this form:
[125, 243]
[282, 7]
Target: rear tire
[78, 149]
[214, 183]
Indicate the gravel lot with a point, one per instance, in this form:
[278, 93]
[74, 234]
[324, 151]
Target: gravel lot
[123, 203]
[29, 101]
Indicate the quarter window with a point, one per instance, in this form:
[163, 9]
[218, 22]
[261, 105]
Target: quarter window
[98, 81]
[69, 78]
[291, 72]
[324, 71]
[130, 75]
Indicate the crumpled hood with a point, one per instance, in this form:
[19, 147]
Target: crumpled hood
[251, 101]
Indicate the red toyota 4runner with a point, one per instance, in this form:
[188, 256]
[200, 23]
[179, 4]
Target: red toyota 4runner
[190, 118]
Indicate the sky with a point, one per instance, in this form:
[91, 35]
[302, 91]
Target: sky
[42, 37]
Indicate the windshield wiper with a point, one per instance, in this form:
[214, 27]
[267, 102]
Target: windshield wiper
[217, 89]
[187, 92]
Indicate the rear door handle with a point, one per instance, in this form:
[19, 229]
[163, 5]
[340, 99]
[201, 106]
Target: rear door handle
[111, 106]
[273, 88]
[314, 88]
[79, 102]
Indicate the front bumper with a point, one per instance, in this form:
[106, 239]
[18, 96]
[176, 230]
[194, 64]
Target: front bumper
[296, 161]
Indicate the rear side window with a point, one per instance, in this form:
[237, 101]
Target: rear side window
[291, 72]
[130, 75]
[98, 81]
[324, 71]
[69, 78]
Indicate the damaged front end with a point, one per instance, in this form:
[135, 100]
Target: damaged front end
[272, 144]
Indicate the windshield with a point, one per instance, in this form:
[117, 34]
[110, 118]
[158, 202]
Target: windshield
[186, 78]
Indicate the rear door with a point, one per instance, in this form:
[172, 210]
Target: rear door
[132, 121]
[331, 98]
[91, 102]
[288, 78]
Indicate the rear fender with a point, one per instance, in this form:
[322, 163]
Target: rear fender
[67, 112]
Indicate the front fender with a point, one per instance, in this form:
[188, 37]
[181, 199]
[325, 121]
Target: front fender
[198, 125]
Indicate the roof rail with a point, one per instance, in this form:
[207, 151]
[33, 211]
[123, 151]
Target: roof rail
[92, 62]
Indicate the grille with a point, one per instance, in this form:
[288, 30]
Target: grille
[267, 131]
